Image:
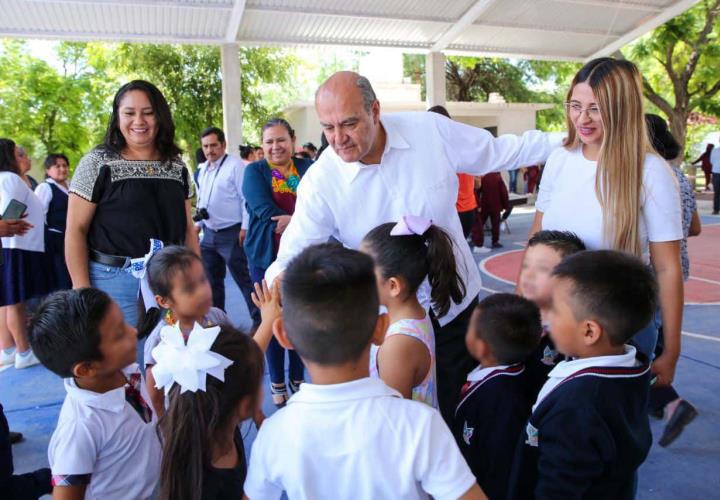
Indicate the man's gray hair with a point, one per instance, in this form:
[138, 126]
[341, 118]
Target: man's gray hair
[366, 90]
[368, 94]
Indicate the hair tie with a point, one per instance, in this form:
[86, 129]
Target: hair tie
[187, 365]
[138, 268]
[411, 224]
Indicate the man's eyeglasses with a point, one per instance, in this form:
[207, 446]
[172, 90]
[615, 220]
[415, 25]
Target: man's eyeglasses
[575, 109]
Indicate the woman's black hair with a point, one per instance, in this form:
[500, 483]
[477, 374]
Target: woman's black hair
[165, 138]
[8, 163]
[160, 271]
[660, 137]
[52, 158]
[196, 421]
[413, 257]
[274, 122]
[246, 151]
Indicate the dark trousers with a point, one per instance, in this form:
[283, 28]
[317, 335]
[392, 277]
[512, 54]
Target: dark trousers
[478, 230]
[466, 221]
[275, 354]
[452, 360]
[716, 192]
[22, 486]
[220, 249]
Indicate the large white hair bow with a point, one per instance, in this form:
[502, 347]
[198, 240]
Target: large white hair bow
[187, 364]
[138, 268]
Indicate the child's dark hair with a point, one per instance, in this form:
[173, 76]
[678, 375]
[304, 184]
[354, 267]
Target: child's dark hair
[65, 329]
[161, 269]
[565, 242]
[511, 326]
[196, 421]
[613, 288]
[413, 257]
[330, 303]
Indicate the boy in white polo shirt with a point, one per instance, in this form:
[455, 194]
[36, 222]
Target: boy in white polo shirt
[105, 444]
[347, 435]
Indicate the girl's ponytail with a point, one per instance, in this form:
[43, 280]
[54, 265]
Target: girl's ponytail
[445, 281]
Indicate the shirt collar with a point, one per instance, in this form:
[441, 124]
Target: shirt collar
[363, 388]
[393, 140]
[480, 373]
[113, 400]
[62, 188]
[566, 368]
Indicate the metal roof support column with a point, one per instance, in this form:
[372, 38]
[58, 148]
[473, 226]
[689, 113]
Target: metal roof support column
[435, 79]
[231, 98]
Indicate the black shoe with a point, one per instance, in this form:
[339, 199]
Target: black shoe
[15, 437]
[715, 212]
[683, 415]
[497, 245]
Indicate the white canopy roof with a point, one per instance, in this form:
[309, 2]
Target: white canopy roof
[550, 29]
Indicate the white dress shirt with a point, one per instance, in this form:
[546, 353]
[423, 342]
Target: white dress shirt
[102, 435]
[715, 160]
[357, 439]
[416, 175]
[13, 187]
[220, 192]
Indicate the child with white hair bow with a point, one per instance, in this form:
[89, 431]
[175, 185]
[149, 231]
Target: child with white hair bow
[405, 255]
[213, 380]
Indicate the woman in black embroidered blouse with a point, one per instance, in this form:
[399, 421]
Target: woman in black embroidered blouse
[131, 188]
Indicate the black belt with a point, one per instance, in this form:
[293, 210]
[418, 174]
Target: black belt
[237, 226]
[109, 260]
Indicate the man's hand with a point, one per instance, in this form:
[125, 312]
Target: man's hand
[16, 227]
[241, 236]
[664, 369]
[282, 222]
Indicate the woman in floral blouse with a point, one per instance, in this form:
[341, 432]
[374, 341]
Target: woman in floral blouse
[269, 188]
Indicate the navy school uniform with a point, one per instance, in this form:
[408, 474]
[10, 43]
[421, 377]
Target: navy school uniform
[489, 419]
[55, 236]
[539, 364]
[587, 437]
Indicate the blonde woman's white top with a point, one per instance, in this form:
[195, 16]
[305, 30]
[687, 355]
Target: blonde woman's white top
[568, 200]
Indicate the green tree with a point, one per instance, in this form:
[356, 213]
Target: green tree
[680, 63]
[45, 109]
[473, 79]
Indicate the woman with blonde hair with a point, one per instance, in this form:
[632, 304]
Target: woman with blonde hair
[609, 187]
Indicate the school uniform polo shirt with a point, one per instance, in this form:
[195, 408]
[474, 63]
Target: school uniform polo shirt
[589, 431]
[107, 441]
[492, 413]
[358, 439]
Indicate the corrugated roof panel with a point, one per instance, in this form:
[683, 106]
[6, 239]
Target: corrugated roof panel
[155, 19]
[413, 9]
[528, 42]
[311, 28]
[562, 15]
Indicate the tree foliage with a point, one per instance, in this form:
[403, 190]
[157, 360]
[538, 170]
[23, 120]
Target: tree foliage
[66, 107]
[474, 78]
[680, 63]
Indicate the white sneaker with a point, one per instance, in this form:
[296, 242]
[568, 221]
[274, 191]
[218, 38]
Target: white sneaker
[26, 361]
[481, 250]
[6, 360]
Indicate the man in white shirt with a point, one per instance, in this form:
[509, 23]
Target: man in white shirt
[715, 162]
[221, 212]
[380, 168]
